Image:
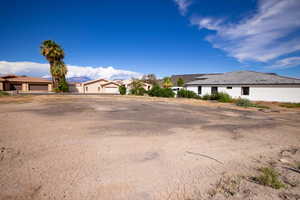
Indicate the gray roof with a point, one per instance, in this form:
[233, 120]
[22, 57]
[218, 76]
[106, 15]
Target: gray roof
[244, 78]
[186, 77]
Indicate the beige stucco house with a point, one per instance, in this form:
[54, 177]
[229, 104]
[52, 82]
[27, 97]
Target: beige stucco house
[97, 86]
[1, 84]
[13, 82]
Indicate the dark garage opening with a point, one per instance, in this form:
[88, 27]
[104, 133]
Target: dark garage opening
[15, 86]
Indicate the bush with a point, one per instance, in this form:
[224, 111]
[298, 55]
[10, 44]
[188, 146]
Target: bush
[244, 103]
[138, 91]
[224, 97]
[122, 89]
[206, 97]
[2, 93]
[220, 96]
[269, 177]
[290, 105]
[186, 94]
[157, 91]
[247, 103]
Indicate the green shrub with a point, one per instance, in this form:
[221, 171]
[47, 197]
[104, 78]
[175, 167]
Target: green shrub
[244, 103]
[206, 97]
[269, 177]
[122, 89]
[167, 92]
[157, 91]
[186, 94]
[2, 93]
[224, 97]
[220, 96]
[290, 105]
[138, 91]
[247, 103]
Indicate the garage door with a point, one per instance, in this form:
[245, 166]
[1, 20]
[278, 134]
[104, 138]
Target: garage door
[40, 87]
[111, 90]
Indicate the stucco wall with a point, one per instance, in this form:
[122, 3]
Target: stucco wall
[1, 86]
[258, 93]
[93, 87]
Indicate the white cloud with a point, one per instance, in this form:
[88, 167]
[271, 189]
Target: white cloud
[286, 63]
[42, 70]
[183, 5]
[267, 34]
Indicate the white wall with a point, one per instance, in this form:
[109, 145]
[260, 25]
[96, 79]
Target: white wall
[257, 93]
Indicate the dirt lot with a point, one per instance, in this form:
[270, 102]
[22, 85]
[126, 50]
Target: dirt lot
[111, 147]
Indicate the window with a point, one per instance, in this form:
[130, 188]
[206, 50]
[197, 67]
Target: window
[86, 88]
[245, 90]
[229, 88]
[214, 90]
[199, 90]
[98, 89]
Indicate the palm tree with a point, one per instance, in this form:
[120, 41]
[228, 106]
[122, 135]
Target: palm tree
[180, 82]
[167, 82]
[55, 55]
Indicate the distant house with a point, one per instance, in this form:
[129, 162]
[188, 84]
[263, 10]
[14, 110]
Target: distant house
[1, 84]
[96, 86]
[24, 83]
[146, 86]
[252, 85]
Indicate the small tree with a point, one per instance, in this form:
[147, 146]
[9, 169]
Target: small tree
[180, 82]
[137, 87]
[150, 79]
[167, 82]
[122, 89]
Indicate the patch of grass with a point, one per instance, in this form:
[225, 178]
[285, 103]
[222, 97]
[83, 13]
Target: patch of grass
[247, 103]
[2, 93]
[269, 177]
[227, 185]
[290, 105]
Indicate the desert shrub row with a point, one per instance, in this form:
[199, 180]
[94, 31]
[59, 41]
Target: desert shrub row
[220, 96]
[157, 91]
[183, 93]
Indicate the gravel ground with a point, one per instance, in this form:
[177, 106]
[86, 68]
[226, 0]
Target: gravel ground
[114, 147]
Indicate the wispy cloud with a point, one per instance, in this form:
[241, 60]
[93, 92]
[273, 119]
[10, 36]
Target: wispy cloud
[269, 33]
[183, 5]
[42, 70]
[286, 63]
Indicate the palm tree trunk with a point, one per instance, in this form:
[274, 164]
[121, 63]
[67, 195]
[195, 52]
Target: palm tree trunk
[55, 79]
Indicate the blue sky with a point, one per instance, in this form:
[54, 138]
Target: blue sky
[124, 38]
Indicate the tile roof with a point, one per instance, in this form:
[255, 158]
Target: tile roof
[110, 83]
[244, 77]
[96, 80]
[26, 79]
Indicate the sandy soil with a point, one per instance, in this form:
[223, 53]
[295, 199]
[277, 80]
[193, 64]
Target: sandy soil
[113, 147]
